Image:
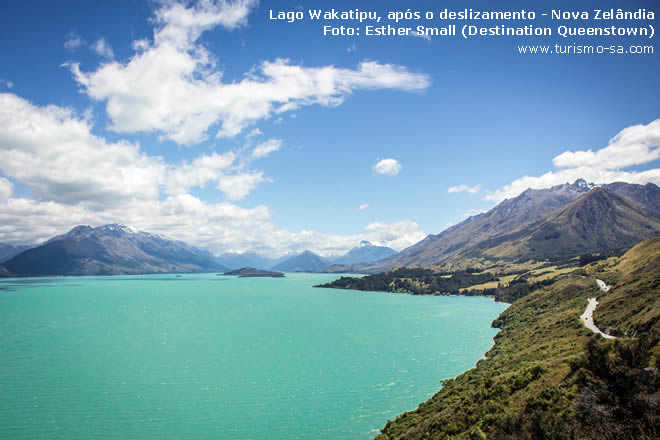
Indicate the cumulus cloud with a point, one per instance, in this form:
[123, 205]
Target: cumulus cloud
[102, 48]
[171, 84]
[464, 188]
[79, 167]
[238, 186]
[75, 166]
[633, 146]
[6, 188]
[215, 226]
[197, 173]
[265, 148]
[363, 206]
[397, 235]
[389, 167]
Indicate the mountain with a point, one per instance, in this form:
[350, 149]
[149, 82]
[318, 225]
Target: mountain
[647, 196]
[597, 221]
[505, 217]
[7, 251]
[235, 260]
[304, 262]
[509, 216]
[364, 253]
[111, 250]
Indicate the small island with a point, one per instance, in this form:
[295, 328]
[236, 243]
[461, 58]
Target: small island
[251, 272]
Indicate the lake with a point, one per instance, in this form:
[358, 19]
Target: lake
[212, 357]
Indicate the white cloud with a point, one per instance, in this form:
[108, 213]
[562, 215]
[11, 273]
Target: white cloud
[81, 168]
[203, 169]
[265, 148]
[389, 167]
[634, 145]
[238, 186]
[182, 26]
[363, 206]
[6, 189]
[464, 188]
[102, 48]
[6, 83]
[171, 85]
[73, 41]
[422, 36]
[472, 212]
[397, 235]
[74, 166]
[254, 132]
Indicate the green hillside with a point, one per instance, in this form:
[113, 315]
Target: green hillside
[548, 377]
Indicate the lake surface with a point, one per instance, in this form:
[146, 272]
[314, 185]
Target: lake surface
[212, 357]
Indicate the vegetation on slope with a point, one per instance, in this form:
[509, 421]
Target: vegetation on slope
[416, 281]
[632, 308]
[548, 377]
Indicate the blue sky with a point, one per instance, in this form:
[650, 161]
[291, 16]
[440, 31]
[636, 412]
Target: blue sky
[210, 122]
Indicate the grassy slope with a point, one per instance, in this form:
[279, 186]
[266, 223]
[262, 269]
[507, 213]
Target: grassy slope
[540, 373]
[634, 307]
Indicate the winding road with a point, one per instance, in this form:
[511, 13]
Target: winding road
[587, 317]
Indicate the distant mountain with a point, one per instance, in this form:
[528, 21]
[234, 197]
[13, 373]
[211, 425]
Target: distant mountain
[647, 196]
[7, 251]
[364, 253]
[597, 221]
[111, 250]
[304, 262]
[507, 217]
[246, 259]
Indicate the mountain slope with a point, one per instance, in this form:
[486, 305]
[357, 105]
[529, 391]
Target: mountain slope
[504, 218]
[510, 216]
[111, 250]
[548, 377]
[246, 259]
[647, 196]
[364, 253]
[306, 261]
[597, 221]
[7, 251]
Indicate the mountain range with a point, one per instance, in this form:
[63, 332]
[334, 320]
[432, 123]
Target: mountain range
[365, 252]
[236, 260]
[111, 250]
[306, 261]
[523, 227]
[8, 251]
[554, 223]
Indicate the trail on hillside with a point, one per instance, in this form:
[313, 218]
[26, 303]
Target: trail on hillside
[587, 317]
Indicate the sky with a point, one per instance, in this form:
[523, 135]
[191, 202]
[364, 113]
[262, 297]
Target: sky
[213, 123]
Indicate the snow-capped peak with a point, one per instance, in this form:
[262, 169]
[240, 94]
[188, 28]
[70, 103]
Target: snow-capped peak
[581, 183]
[119, 227]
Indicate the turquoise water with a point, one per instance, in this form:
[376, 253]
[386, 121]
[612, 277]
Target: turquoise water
[211, 357]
